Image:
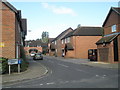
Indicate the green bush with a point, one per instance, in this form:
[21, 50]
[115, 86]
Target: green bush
[4, 67]
[24, 64]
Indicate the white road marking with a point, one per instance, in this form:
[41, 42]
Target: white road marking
[63, 65]
[82, 71]
[96, 75]
[104, 75]
[50, 83]
[41, 84]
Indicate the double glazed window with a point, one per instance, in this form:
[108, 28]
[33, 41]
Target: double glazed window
[113, 28]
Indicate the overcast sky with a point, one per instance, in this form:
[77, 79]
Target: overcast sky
[55, 17]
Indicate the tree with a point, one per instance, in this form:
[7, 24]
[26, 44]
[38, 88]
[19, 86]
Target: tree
[45, 37]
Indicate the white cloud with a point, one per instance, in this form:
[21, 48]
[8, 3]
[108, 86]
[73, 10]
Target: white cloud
[59, 10]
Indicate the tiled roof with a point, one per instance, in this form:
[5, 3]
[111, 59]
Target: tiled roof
[63, 33]
[10, 6]
[86, 31]
[51, 39]
[33, 43]
[68, 35]
[106, 39]
[116, 9]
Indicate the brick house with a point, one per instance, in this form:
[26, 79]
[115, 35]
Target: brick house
[109, 45]
[33, 46]
[14, 30]
[55, 46]
[77, 43]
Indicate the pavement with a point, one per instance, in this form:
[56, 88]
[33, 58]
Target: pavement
[89, 63]
[38, 70]
[34, 70]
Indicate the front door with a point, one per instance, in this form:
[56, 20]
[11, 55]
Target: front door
[115, 49]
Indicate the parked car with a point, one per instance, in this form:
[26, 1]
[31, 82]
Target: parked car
[32, 54]
[38, 56]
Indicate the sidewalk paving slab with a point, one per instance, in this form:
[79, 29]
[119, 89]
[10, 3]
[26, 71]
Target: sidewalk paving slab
[34, 70]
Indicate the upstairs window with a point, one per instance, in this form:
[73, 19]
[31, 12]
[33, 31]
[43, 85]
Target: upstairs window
[113, 28]
[62, 41]
[55, 42]
[65, 40]
[68, 39]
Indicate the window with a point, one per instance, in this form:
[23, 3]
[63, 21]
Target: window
[55, 42]
[68, 40]
[62, 41]
[65, 40]
[113, 28]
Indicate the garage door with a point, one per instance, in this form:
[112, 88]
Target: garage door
[103, 52]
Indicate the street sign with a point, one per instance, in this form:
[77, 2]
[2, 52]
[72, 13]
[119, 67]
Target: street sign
[19, 61]
[12, 61]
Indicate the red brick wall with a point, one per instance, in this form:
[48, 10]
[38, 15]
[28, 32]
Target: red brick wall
[59, 44]
[81, 46]
[58, 47]
[8, 32]
[70, 54]
[110, 53]
[113, 19]
[28, 48]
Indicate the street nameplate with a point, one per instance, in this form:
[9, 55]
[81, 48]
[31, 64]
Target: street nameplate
[12, 61]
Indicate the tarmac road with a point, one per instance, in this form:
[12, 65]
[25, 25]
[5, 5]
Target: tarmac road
[64, 74]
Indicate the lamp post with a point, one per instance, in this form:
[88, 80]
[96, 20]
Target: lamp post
[17, 54]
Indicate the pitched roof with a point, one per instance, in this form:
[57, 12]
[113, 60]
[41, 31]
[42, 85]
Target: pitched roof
[68, 35]
[62, 34]
[114, 9]
[51, 39]
[10, 6]
[85, 31]
[106, 39]
[33, 43]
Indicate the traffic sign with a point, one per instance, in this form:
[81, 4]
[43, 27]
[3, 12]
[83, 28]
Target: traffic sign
[19, 61]
[12, 61]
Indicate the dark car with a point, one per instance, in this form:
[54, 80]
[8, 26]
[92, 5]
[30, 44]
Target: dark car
[38, 56]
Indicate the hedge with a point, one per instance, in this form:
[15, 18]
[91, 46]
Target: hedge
[4, 67]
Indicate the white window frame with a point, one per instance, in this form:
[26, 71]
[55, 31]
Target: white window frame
[62, 41]
[55, 42]
[114, 28]
[65, 40]
[68, 39]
